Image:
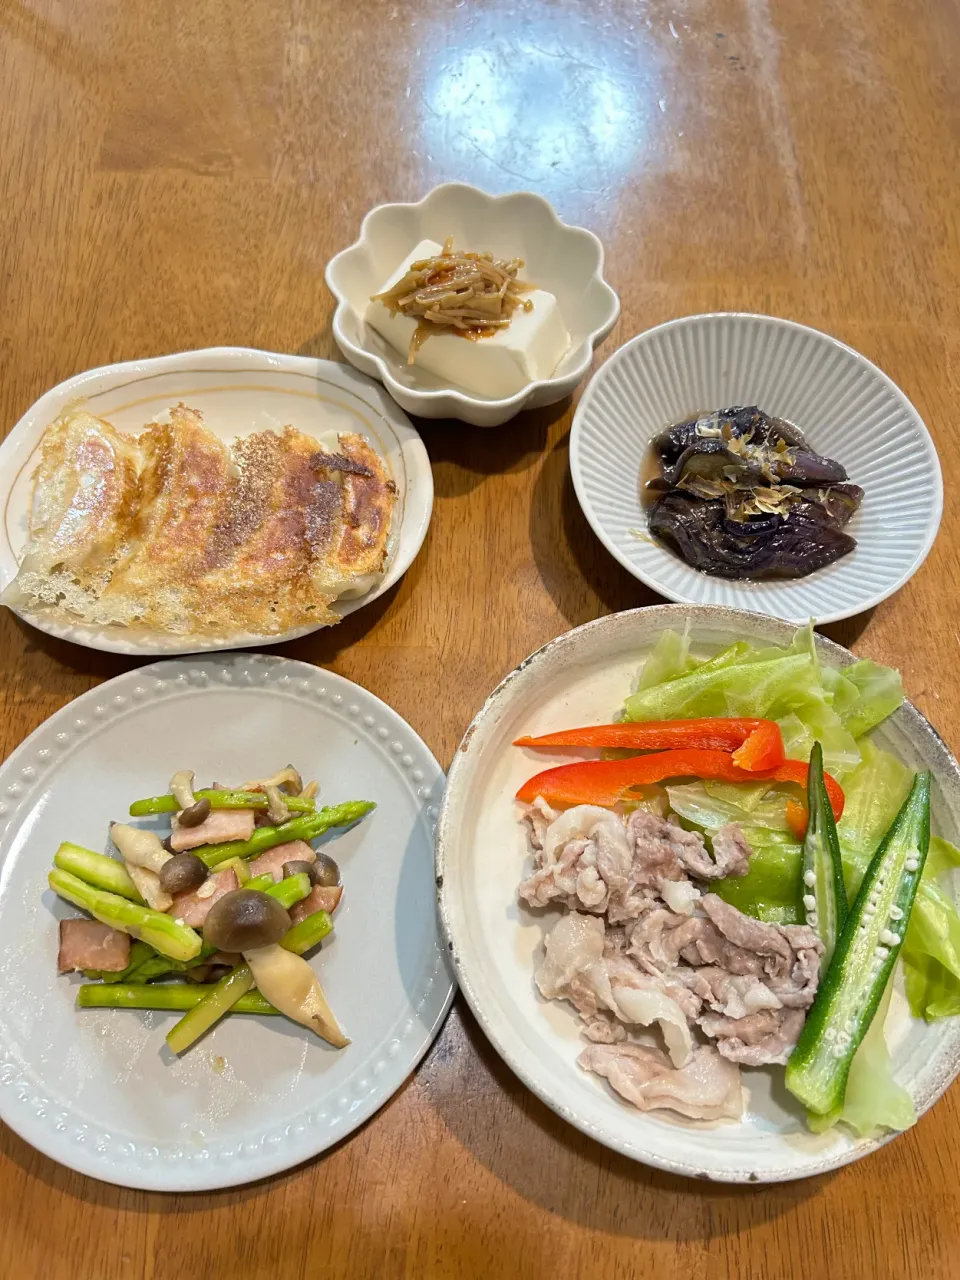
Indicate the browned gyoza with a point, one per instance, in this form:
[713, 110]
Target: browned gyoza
[260, 537]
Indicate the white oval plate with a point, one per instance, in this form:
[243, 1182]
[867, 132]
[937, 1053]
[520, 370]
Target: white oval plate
[482, 854]
[847, 409]
[98, 1090]
[238, 391]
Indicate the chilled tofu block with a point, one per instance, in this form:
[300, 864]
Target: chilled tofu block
[497, 366]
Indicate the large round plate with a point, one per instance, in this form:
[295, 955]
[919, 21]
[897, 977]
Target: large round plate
[848, 410]
[97, 1089]
[582, 678]
[238, 391]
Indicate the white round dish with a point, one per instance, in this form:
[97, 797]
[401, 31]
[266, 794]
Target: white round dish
[482, 854]
[566, 261]
[97, 1089]
[847, 408]
[238, 391]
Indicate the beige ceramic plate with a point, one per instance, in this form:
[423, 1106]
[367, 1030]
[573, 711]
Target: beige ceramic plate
[238, 391]
[581, 678]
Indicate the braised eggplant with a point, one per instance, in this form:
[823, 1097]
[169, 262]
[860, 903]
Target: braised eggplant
[742, 495]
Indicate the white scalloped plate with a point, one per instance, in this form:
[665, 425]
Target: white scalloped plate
[582, 677]
[848, 410]
[566, 261]
[97, 1090]
[238, 390]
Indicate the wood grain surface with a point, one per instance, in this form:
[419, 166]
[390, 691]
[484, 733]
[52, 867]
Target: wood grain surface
[176, 175]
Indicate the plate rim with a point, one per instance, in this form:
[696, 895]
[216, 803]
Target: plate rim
[141, 1178]
[445, 838]
[654, 582]
[351, 380]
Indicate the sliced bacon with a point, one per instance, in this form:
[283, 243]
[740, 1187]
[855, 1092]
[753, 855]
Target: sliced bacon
[88, 944]
[272, 862]
[321, 898]
[193, 908]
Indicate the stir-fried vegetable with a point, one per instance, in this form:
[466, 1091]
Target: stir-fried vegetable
[755, 744]
[307, 827]
[162, 932]
[866, 953]
[96, 869]
[218, 800]
[217, 1002]
[249, 922]
[292, 986]
[174, 997]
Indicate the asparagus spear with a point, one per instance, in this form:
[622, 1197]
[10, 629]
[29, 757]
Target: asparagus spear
[303, 937]
[225, 995]
[290, 891]
[240, 869]
[217, 1001]
[261, 883]
[175, 996]
[219, 800]
[97, 870]
[307, 827]
[162, 932]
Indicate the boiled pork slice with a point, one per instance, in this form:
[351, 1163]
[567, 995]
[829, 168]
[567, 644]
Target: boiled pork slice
[706, 1088]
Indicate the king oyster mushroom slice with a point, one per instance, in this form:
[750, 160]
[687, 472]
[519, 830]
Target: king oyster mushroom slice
[144, 856]
[287, 778]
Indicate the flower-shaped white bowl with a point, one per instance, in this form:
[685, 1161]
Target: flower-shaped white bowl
[844, 405]
[566, 261]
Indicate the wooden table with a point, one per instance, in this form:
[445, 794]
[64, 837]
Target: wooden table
[176, 175]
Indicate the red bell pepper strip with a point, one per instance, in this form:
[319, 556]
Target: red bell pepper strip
[756, 744]
[603, 782]
[762, 749]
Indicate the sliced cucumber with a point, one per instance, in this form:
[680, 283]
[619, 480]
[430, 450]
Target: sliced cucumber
[864, 959]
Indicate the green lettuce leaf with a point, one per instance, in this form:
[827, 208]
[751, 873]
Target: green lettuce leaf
[669, 658]
[879, 693]
[711, 805]
[736, 689]
[873, 794]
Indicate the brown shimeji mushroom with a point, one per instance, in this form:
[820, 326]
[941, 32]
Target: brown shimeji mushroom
[253, 923]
